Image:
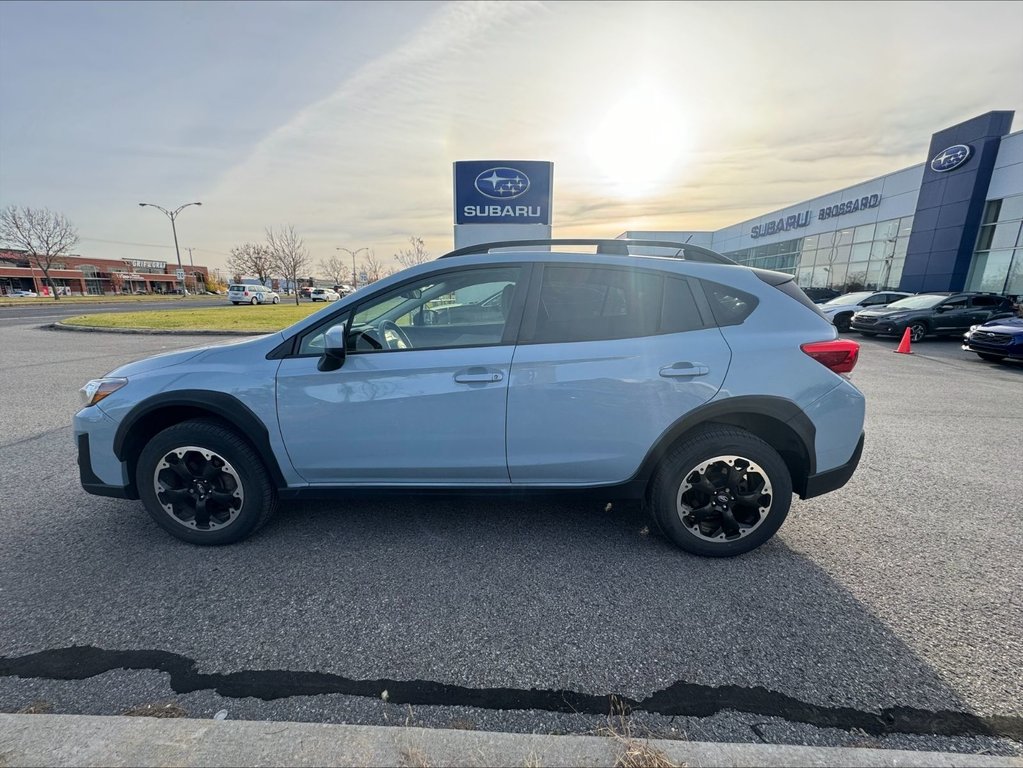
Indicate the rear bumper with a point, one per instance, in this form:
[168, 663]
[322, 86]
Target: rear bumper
[833, 479]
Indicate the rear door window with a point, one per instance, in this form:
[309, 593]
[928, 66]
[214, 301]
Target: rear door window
[583, 303]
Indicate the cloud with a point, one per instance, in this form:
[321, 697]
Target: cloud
[368, 160]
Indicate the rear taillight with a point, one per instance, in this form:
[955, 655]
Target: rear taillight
[839, 355]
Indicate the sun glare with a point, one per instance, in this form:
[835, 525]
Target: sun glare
[639, 143]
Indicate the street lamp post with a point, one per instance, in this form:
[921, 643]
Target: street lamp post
[172, 215]
[355, 278]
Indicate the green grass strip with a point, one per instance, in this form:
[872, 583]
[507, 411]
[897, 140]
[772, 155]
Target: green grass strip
[264, 318]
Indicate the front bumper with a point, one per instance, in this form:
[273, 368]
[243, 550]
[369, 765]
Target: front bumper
[833, 479]
[881, 327]
[1013, 351]
[93, 484]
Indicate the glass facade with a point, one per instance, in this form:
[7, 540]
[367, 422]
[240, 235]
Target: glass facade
[868, 257]
[998, 259]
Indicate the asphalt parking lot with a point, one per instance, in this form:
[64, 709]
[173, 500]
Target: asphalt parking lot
[888, 613]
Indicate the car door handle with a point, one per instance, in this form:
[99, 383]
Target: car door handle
[478, 376]
[684, 370]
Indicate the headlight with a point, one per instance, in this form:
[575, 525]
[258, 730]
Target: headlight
[973, 328]
[97, 389]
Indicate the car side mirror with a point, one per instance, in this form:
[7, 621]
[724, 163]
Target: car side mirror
[333, 356]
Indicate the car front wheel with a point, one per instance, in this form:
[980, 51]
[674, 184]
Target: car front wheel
[276, 300]
[721, 491]
[202, 483]
[917, 331]
[842, 323]
[991, 358]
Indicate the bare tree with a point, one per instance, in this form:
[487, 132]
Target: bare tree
[334, 268]
[44, 235]
[373, 266]
[251, 259]
[416, 254]
[290, 257]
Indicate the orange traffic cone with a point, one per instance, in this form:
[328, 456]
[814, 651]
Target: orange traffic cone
[904, 344]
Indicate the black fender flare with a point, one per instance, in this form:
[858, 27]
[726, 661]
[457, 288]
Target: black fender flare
[197, 403]
[798, 438]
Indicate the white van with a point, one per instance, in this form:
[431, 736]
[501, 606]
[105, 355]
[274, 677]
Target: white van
[252, 294]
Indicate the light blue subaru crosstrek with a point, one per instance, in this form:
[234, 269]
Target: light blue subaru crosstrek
[646, 369]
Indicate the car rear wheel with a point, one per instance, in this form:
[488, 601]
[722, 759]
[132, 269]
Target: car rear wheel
[917, 331]
[235, 303]
[721, 491]
[991, 358]
[202, 483]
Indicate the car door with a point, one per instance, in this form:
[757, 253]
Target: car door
[953, 314]
[609, 357]
[984, 308]
[405, 407]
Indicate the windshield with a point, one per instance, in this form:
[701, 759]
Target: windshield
[917, 302]
[849, 298]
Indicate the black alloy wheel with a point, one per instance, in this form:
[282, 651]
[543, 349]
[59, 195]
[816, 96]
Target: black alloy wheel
[720, 491]
[204, 484]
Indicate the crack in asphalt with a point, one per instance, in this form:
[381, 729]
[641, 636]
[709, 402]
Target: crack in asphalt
[679, 699]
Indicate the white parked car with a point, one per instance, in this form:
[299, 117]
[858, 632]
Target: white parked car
[841, 309]
[252, 294]
[23, 295]
[324, 294]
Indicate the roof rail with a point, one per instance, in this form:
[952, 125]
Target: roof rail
[607, 246]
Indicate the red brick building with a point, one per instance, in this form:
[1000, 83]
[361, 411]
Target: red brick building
[77, 275]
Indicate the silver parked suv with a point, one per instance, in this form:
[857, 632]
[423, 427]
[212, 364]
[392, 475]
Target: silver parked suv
[651, 370]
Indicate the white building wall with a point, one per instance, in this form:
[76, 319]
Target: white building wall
[1007, 177]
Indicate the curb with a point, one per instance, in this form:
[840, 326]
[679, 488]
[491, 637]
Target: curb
[80, 740]
[60, 326]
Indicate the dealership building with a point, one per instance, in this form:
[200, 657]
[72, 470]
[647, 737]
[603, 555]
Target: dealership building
[951, 223]
[77, 275]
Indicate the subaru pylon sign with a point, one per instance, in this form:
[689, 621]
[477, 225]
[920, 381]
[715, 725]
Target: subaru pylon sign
[503, 192]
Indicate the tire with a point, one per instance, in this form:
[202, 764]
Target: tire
[235, 303]
[276, 300]
[991, 358]
[253, 301]
[842, 322]
[240, 494]
[917, 331]
[691, 459]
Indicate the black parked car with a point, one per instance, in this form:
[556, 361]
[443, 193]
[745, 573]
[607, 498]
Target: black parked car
[931, 314]
[820, 295]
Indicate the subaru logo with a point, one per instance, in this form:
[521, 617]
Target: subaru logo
[951, 158]
[502, 183]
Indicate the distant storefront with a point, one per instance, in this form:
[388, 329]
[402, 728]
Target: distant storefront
[954, 222]
[75, 275]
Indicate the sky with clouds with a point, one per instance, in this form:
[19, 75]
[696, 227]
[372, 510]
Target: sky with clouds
[344, 119]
